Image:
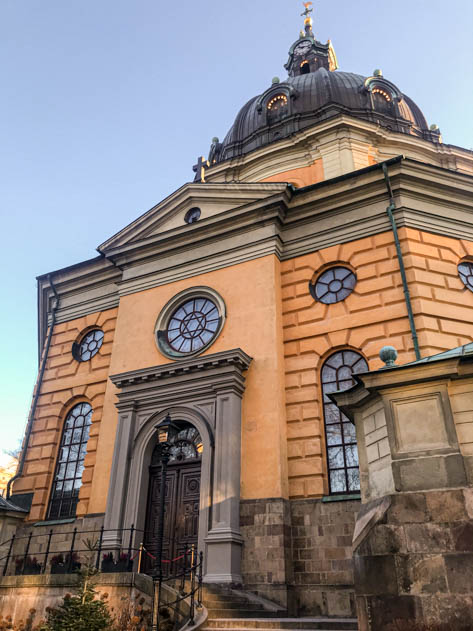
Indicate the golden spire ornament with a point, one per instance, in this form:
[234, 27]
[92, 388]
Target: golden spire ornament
[307, 19]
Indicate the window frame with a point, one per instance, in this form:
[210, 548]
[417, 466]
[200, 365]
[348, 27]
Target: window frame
[76, 347]
[166, 314]
[73, 499]
[342, 418]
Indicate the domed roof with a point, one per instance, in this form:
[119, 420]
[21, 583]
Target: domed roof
[317, 96]
[315, 91]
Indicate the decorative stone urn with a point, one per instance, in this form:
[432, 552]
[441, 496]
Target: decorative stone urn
[413, 539]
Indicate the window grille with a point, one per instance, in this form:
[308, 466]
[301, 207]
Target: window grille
[70, 463]
[342, 453]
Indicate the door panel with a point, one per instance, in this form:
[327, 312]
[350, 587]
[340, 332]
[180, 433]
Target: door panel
[181, 516]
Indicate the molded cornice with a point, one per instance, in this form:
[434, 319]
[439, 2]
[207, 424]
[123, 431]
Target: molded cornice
[197, 377]
[235, 357]
[265, 219]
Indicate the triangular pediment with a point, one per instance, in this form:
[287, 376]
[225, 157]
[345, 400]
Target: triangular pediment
[168, 216]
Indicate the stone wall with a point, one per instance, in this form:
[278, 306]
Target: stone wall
[414, 562]
[298, 554]
[322, 552]
[21, 594]
[266, 565]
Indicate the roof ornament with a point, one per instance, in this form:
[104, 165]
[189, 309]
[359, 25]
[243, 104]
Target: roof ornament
[200, 168]
[308, 20]
[388, 354]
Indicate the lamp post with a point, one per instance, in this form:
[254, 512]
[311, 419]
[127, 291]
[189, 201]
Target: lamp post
[167, 431]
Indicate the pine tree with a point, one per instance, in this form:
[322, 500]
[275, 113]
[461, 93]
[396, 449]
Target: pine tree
[81, 611]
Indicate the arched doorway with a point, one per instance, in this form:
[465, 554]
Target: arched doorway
[182, 496]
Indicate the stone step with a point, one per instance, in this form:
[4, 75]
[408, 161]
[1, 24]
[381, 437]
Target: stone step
[316, 627]
[224, 599]
[232, 604]
[248, 611]
[282, 624]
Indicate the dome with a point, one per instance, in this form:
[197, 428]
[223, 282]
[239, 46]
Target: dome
[314, 91]
[304, 100]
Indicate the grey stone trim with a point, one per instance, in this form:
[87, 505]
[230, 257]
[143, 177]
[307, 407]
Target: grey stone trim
[205, 391]
[258, 220]
[235, 357]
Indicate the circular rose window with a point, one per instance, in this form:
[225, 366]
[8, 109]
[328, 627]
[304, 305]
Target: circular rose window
[190, 322]
[333, 285]
[193, 325]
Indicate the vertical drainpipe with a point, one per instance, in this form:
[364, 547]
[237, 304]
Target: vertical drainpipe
[29, 425]
[405, 286]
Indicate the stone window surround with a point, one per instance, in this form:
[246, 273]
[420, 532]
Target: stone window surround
[206, 392]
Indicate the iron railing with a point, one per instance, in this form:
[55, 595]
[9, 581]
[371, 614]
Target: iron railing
[31, 553]
[181, 575]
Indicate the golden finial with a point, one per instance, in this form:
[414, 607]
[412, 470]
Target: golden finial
[306, 15]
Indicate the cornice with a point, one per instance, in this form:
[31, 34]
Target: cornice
[235, 358]
[284, 223]
[291, 151]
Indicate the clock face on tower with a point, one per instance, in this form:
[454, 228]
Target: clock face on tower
[303, 48]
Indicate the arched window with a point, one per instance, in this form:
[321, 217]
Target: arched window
[305, 67]
[277, 108]
[186, 445]
[382, 101]
[70, 462]
[342, 453]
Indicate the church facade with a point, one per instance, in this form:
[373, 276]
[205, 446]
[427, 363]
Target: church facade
[331, 221]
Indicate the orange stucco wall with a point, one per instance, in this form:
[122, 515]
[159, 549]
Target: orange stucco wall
[372, 316]
[304, 176]
[253, 324]
[272, 317]
[65, 383]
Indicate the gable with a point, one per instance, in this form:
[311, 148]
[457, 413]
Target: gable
[169, 215]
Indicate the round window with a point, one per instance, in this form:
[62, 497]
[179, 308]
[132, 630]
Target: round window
[192, 215]
[88, 346]
[333, 285]
[190, 322]
[193, 325]
[465, 271]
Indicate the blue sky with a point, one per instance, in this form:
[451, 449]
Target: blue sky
[105, 106]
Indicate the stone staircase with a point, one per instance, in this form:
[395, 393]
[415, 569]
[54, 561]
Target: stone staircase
[230, 609]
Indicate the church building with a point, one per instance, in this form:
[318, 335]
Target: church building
[331, 221]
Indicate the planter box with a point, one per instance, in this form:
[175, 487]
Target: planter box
[108, 566]
[121, 566]
[29, 570]
[58, 569]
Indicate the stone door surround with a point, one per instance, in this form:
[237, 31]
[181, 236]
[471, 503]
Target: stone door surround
[205, 391]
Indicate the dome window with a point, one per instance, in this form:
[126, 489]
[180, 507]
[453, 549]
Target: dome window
[277, 108]
[382, 101]
[305, 67]
[382, 94]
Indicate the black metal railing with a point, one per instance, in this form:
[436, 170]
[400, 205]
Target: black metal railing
[184, 593]
[32, 553]
[181, 575]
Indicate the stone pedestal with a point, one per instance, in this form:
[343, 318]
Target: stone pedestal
[413, 539]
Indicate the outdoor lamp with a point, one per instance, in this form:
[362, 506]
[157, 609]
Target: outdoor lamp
[167, 431]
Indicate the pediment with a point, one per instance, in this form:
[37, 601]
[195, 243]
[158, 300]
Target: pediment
[169, 215]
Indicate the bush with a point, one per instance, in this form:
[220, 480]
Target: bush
[81, 611]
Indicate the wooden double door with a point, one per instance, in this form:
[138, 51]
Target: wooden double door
[181, 516]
